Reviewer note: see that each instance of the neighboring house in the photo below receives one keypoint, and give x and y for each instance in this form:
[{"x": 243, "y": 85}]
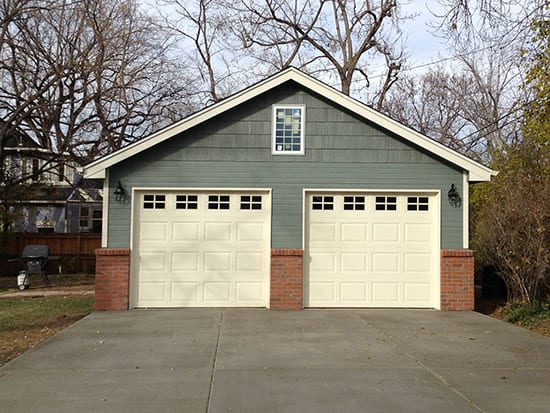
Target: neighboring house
[
  {"x": 288, "y": 194},
  {"x": 56, "y": 199}
]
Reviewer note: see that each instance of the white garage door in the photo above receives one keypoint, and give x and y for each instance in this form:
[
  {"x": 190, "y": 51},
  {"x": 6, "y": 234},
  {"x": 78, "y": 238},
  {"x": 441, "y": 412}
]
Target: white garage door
[
  {"x": 372, "y": 250},
  {"x": 201, "y": 249}
]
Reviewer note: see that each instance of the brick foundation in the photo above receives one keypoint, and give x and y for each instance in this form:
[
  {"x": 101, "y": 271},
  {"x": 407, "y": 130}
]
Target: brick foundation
[
  {"x": 457, "y": 280},
  {"x": 111, "y": 279},
  {"x": 287, "y": 279}
]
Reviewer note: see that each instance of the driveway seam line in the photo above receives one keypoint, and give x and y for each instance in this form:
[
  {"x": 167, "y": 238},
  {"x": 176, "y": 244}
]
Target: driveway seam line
[
  {"x": 429, "y": 370},
  {"x": 214, "y": 362},
  {"x": 442, "y": 379}
]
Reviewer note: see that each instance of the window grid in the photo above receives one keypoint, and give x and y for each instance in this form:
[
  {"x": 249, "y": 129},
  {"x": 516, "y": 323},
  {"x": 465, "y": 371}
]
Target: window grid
[
  {"x": 325, "y": 203},
  {"x": 288, "y": 129},
  {"x": 354, "y": 203},
  {"x": 187, "y": 201},
  {"x": 417, "y": 203},
  {"x": 218, "y": 202},
  {"x": 154, "y": 201},
  {"x": 386, "y": 203},
  {"x": 253, "y": 202}
]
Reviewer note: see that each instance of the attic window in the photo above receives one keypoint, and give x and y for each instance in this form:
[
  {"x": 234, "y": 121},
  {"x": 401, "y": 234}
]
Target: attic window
[{"x": 288, "y": 130}]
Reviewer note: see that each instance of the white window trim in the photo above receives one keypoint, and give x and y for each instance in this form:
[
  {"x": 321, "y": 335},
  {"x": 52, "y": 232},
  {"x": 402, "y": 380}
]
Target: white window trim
[{"x": 302, "y": 131}]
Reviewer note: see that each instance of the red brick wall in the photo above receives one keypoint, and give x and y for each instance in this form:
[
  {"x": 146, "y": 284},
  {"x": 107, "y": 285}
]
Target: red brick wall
[
  {"x": 111, "y": 279},
  {"x": 457, "y": 280},
  {"x": 287, "y": 279}
]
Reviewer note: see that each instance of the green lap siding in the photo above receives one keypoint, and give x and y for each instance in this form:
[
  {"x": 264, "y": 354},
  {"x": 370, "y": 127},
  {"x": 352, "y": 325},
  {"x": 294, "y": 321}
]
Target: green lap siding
[{"x": 233, "y": 150}]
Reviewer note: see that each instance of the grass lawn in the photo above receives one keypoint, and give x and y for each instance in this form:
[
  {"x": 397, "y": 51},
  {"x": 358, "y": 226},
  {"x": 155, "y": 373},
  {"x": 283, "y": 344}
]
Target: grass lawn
[{"x": 26, "y": 322}]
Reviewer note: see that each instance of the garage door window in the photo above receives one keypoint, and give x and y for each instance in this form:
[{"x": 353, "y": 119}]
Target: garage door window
[
  {"x": 218, "y": 201},
  {"x": 251, "y": 202},
  {"x": 386, "y": 203},
  {"x": 417, "y": 203},
  {"x": 322, "y": 203},
  {"x": 354, "y": 203},
  {"x": 154, "y": 201},
  {"x": 187, "y": 201}
]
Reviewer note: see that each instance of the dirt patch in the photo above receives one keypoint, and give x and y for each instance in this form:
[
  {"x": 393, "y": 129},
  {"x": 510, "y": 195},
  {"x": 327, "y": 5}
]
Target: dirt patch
[{"x": 15, "y": 343}]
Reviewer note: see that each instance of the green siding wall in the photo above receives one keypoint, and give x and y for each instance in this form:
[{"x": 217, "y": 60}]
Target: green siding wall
[{"x": 233, "y": 150}]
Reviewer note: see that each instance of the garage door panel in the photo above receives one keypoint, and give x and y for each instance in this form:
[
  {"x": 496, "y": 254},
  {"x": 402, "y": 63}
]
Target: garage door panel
[
  {"x": 353, "y": 292},
  {"x": 185, "y": 261},
  {"x": 217, "y": 231},
  {"x": 184, "y": 292},
  {"x": 249, "y": 261},
  {"x": 249, "y": 292},
  {"x": 152, "y": 292},
  {"x": 353, "y": 262},
  {"x": 417, "y": 292},
  {"x": 250, "y": 232},
  {"x": 323, "y": 262},
  {"x": 418, "y": 233},
  {"x": 417, "y": 263},
  {"x": 191, "y": 254},
  {"x": 371, "y": 250},
  {"x": 186, "y": 231},
  {"x": 217, "y": 261},
  {"x": 217, "y": 292},
  {"x": 383, "y": 232},
  {"x": 320, "y": 232},
  {"x": 354, "y": 232},
  {"x": 154, "y": 231},
  {"x": 385, "y": 262},
  {"x": 386, "y": 293},
  {"x": 153, "y": 261},
  {"x": 323, "y": 292}
]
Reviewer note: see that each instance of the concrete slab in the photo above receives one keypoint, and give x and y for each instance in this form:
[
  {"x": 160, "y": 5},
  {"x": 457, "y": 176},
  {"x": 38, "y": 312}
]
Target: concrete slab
[{"x": 250, "y": 360}]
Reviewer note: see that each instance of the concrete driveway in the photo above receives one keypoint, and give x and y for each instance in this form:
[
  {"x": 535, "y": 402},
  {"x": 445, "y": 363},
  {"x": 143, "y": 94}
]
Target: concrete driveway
[{"x": 247, "y": 360}]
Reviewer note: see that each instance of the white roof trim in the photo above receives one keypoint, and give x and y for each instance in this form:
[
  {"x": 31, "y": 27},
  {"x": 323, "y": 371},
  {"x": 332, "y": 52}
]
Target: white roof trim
[{"x": 476, "y": 171}]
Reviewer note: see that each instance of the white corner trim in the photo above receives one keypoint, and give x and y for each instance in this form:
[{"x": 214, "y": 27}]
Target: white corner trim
[
  {"x": 465, "y": 211},
  {"x": 105, "y": 213}
]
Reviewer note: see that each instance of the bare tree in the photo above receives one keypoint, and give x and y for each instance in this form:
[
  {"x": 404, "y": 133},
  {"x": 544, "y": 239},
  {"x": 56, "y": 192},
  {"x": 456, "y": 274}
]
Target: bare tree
[
  {"x": 83, "y": 76},
  {"x": 345, "y": 34},
  {"x": 202, "y": 25}
]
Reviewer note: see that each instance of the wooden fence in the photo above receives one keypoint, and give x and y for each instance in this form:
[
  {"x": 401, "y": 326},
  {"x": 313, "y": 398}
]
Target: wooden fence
[{"x": 77, "y": 251}]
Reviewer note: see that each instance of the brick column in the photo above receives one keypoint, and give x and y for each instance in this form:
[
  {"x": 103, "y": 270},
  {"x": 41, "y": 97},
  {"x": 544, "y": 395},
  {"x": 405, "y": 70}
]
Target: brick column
[
  {"x": 287, "y": 279},
  {"x": 112, "y": 279},
  {"x": 457, "y": 280}
]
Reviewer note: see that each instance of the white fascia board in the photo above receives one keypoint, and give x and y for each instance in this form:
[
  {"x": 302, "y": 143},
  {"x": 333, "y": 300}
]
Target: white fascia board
[{"x": 477, "y": 172}]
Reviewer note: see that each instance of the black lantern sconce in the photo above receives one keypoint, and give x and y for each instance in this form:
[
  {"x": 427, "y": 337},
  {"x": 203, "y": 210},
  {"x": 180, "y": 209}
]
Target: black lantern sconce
[
  {"x": 454, "y": 197},
  {"x": 121, "y": 196}
]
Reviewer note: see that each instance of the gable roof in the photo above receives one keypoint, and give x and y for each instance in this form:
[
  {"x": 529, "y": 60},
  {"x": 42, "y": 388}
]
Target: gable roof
[{"x": 476, "y": 171}]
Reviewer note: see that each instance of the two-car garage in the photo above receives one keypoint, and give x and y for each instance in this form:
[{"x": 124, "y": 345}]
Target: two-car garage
[{"x": 211, "y": 248}]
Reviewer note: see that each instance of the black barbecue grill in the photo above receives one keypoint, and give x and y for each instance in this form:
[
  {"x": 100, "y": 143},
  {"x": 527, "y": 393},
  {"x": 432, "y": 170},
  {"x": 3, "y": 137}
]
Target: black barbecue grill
[{"x": 34, "y": 260}]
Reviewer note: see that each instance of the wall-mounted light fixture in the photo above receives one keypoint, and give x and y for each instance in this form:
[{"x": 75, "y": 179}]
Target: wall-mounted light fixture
[
  {"x": 120, "y": 193},
  {"x": 454, "y": 197}
]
